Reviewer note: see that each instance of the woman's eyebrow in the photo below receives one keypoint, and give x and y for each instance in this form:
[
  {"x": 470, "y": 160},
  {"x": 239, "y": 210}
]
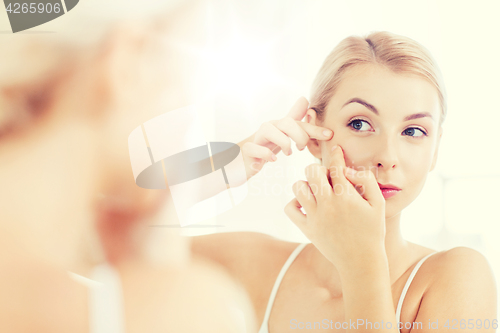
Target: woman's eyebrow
[
  {"x": 362, "y": 102},
  {"x": 374, "y": 109},
  {"x": 418, "y": 115}
]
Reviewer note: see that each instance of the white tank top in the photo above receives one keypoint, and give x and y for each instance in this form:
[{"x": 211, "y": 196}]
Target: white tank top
[
  {"x": 106, "y": 314},
  {"x": 264, "y": 327}
]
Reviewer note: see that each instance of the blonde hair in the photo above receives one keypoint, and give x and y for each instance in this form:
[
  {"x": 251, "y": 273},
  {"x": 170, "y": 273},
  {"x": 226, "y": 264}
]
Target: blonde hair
[{"x": 397, "y": 53}]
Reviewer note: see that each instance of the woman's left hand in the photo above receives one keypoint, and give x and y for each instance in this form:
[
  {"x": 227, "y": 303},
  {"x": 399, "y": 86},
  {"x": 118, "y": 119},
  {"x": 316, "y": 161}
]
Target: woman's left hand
[{"x": 344, "y": 219}]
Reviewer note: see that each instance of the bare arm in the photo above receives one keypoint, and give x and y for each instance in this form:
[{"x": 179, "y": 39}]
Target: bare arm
[
  {"x": 251, "y": 258},
  {"x": 237, "y": 252}
]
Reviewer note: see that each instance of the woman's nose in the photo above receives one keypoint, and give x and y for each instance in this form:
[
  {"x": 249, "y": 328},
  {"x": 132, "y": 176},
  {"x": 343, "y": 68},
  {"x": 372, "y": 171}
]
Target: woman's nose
[{"x": 385, "y": 156}]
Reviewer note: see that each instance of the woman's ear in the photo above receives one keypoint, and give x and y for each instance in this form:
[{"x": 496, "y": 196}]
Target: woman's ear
[{"x": 313, "y": 144}]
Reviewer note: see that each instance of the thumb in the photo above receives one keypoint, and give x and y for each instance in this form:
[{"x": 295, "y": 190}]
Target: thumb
[
  {"x": 299, "y": 109},
  {"x": 365, "y": 179}
]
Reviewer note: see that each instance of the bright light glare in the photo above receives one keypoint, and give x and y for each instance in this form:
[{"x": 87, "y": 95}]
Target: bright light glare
[{"x": 240, "y": 67}]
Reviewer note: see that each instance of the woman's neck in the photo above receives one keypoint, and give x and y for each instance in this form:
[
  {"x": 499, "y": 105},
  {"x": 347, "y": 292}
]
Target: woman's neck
[{"x": 397, "y": 249}]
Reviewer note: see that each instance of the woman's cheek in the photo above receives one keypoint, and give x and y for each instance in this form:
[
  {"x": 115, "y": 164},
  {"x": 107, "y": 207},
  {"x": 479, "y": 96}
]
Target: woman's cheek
[
  {"x": 356, "y": 151},
  {"x": 417, "y": 162}
]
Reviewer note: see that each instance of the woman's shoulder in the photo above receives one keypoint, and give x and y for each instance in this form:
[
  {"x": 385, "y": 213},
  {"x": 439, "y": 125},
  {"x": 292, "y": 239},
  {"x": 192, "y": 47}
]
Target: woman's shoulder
[
  {"x": 463, "y": 279},
  {"x": 455, "y": 260},
  {"x": 451, "y": 267},
  {"x": 460, "y": 263},
  {"x": 450, "y": 285},
  {"x": 455, "y": 263},
  {"x": 47, "y": 295}
]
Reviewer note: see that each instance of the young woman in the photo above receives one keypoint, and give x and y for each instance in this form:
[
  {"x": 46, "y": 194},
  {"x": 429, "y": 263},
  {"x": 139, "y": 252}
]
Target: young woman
[
  {"x": 383, "y": 97},
  {"x": 68, "y": 102}
]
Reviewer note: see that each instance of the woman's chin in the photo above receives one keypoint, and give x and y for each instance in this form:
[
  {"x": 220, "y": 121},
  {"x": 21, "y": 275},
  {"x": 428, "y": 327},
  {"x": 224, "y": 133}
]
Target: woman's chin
[{"x": 391, "y": 210}]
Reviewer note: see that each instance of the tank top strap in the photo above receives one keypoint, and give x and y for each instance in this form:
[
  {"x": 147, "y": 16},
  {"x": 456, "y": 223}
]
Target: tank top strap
[
  {"x": 407, "y": 286},
  {"x": 106, "y": 314},
  {"x": 106, "y": 301},
  {"x": 291, "y": 258}
]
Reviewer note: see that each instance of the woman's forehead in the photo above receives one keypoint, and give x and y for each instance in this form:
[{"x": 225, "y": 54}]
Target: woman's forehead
[{"x": 388, "y": 92}]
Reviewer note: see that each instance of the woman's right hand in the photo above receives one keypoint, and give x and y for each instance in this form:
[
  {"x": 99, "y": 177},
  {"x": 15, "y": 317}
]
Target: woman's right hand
[{"x": 277, "y": 135}]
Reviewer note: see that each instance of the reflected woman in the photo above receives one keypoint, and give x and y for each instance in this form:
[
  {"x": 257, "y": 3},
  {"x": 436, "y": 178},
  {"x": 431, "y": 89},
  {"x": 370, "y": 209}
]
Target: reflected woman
[{"x": 68, "y": 101}]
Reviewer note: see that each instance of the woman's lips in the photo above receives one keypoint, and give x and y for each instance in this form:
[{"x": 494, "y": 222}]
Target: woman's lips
[{"x": 389, "y": 192}]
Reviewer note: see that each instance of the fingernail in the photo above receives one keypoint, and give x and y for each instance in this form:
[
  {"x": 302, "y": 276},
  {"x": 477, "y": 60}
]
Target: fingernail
[
  {"x": 327, "y": 133},
  {"x": 274, "y": 158},
  {"x": 350, "y": 171},
  {"x": 334, "y": 147}
]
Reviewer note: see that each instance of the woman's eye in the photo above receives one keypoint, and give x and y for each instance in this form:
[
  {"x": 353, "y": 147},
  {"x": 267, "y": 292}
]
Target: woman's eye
[
  {"x": 357, "y": 124},
  {"x": 360, "y": 125},
  {"x": 413, "y": 130}
]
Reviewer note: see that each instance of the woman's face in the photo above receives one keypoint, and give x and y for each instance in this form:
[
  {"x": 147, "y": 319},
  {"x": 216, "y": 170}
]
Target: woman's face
[
  {"x": 46, "y": 173},
  {"x": 54, "y": 169},
  {"x": 387, "y": 123}
]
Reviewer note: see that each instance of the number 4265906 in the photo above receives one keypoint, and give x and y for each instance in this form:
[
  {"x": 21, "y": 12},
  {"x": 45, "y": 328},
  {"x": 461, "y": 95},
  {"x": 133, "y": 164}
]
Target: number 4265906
[{"x": 33, "y": 7}]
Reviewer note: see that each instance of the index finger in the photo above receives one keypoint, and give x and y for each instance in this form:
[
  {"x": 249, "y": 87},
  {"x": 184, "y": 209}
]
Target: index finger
[
  {"x": 316, "y": 132},
  {"x": 299, "y": 109},
  {"x": 336, "y": 169}
]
